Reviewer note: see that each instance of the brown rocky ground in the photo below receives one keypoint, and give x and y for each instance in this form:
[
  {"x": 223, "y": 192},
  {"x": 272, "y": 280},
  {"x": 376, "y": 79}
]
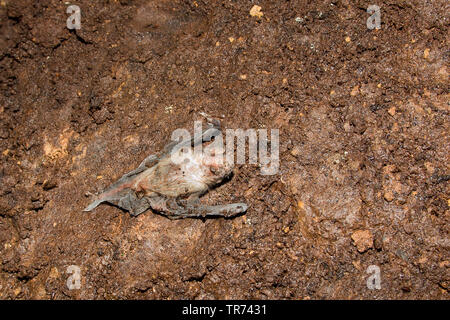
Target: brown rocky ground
[{"x": 364, "y": 147}]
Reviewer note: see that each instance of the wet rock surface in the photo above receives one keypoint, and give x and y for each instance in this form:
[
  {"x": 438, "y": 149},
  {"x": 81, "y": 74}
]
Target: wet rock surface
[{"x": 364, "y": 148}]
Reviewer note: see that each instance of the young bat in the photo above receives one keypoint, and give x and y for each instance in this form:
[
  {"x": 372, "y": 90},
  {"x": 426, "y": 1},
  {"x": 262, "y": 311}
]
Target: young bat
[{"x": 173, "y": 188}]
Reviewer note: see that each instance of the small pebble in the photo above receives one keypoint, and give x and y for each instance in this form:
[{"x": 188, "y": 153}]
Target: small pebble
[
  {"x": 255, "y": 11},
  {"x": 363, "y": 240},
  {"x": 295, "y": 151},
  {"x": 388, "y": 196},
  {"x": 355, "y": 91},
  {"x": 391, "y": 111}
]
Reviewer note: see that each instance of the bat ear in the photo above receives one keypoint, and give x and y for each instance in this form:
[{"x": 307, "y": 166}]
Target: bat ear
[{"x": 212, "y": 122}]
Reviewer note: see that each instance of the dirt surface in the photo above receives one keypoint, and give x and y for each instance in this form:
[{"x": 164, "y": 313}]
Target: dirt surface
[{"x": 364, "y": 148}]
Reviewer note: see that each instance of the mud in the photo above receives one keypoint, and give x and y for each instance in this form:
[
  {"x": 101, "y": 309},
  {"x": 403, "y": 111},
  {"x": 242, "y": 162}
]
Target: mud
[{"x": 364, "y": 148}]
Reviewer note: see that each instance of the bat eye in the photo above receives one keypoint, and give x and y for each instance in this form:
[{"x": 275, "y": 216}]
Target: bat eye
[{"x": 213, "y": 170}]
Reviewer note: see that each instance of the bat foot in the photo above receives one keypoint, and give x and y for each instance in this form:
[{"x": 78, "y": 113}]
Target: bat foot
[{"x": 175, "y": 211}]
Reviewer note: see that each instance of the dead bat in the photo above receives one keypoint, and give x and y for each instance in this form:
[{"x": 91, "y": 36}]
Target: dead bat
[{"x": 173, "y": 188}]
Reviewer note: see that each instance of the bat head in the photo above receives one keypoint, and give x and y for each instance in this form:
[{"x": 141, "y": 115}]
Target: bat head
[{"x": 213, "y": 163}]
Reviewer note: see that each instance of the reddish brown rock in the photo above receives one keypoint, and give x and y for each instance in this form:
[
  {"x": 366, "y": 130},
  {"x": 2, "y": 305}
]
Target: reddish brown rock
[{"x": 363, "y": 240}]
